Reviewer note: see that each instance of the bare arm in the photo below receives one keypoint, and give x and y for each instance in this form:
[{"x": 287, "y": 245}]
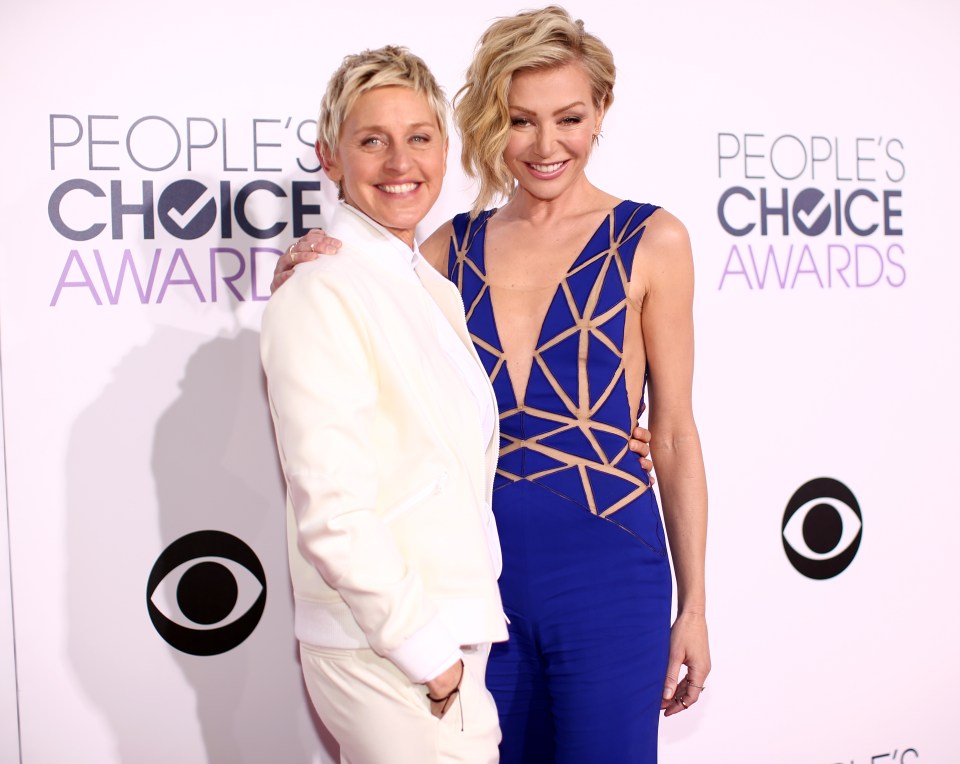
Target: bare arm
[
  {"x": 436, "y": 247},
  {"x": 666, "y": 278}
]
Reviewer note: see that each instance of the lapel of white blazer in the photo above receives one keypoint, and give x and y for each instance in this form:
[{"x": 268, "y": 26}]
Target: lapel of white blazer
[
  {"x": 448, "y": 298},
  {"x": 367, "y": 238}
]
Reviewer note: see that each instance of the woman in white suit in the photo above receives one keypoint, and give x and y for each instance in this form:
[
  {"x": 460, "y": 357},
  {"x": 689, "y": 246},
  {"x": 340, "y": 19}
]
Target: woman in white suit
[{"x": 386, "y": 426}]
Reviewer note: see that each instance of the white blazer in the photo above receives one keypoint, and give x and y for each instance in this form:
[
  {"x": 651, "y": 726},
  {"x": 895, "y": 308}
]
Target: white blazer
[{"x": 391, "y": 539}]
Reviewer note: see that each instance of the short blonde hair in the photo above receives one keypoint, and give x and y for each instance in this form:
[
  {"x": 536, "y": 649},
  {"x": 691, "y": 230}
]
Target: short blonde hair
[
  {"x": 388, "y": 66},
  {"x": 531, "y": 40}
]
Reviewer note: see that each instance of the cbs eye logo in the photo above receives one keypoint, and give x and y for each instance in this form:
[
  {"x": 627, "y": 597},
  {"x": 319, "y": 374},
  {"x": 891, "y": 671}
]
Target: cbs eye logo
[
  {"x": 822, "y": 528},
  {"x": 206, "y": 593}
]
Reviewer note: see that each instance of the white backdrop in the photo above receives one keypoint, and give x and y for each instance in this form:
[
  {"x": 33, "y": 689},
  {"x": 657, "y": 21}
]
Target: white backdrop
[
  {"x": 9, "y": 734},
  {"x": 133, "y": 406}
]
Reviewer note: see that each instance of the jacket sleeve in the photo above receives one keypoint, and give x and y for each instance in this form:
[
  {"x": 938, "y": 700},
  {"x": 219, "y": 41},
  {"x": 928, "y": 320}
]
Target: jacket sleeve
[{"x": 323, "y": 387}]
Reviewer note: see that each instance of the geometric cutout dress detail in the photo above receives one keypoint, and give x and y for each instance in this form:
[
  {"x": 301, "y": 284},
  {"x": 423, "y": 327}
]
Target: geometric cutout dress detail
[{"x": 570, "y": 435}]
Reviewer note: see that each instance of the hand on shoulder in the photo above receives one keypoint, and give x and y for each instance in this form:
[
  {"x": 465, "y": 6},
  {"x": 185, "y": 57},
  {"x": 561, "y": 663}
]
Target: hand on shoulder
[{"x": 309, "y": 247}]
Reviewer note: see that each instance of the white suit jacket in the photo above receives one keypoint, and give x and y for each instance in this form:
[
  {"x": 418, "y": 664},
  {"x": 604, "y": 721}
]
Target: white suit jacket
[{"x": 391, "y": 540}]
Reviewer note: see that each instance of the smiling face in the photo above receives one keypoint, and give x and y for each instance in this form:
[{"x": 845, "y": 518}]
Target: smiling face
[
  {"x": 390, "y": 158},
  {"x": 553, "y": 123}
]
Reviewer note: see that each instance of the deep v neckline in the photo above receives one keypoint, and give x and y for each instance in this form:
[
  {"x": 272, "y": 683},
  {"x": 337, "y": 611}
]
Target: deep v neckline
[{"x": 606, "y": 222}]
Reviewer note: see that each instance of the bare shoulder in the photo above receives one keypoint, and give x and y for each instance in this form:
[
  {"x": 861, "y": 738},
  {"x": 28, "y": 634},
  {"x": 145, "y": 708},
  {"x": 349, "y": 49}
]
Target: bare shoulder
[
  {"x": 666, "y": 234},
  {"x": 664, "y": 257},
  {"x": 436, "y": 247}
]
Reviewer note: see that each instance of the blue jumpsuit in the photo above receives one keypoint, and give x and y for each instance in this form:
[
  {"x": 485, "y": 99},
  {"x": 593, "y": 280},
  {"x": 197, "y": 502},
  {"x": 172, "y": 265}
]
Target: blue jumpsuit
[{"x": 586, "y": 580}]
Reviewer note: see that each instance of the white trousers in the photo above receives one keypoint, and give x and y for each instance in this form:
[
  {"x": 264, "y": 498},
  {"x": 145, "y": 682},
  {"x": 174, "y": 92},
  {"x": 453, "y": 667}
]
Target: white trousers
[{"x": 378, "y": 717}]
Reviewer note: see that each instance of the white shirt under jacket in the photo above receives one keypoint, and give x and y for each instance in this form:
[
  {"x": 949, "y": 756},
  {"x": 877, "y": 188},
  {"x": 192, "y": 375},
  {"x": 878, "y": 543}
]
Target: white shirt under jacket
[{"x": 392, "y": 543}]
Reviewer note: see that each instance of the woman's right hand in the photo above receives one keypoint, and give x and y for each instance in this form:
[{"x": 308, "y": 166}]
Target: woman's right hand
[
  {"x": 309, "y": 247},
  {"x": 445, "y": 688}
]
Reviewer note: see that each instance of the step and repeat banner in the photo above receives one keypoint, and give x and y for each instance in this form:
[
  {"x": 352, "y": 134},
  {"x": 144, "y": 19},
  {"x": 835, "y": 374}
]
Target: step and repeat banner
[
  {"x": 9, "y": 745},
  {"x": 157, "y": 160}
]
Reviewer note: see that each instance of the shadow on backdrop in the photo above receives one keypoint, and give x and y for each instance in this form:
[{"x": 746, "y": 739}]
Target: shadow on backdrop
[{"x": 214, "y": 467}]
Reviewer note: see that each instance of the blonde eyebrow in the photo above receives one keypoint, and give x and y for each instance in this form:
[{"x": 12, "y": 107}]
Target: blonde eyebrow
[
  {"x": 411, "y": 126},
  {"x": 568, "y": 107},
  {"x": 558, "y": 111}
]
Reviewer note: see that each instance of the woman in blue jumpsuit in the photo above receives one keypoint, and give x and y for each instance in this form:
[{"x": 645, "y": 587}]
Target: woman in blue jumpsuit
[{"x": 577, "y": 301}]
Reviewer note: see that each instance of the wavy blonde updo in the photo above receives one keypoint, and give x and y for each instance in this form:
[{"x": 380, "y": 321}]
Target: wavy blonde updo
[
  {"x": 360, "y": 73},
  {"x": 532, "y": 40}
]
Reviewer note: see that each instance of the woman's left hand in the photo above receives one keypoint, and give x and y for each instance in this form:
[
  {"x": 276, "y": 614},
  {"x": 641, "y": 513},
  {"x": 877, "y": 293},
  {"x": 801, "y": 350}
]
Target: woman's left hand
[
  {"x": 640, "y": 445},
  {"x": 688, "y": 647}
]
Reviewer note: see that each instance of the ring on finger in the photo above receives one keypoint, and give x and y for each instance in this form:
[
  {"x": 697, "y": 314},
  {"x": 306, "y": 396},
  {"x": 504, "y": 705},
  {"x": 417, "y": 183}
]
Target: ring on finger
[
  {"x": 311, "y": 247},
  {"x": 681, "y": 702},
  {"x": 698, "y": 686},
  {"x": 292, "y": 247}
]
